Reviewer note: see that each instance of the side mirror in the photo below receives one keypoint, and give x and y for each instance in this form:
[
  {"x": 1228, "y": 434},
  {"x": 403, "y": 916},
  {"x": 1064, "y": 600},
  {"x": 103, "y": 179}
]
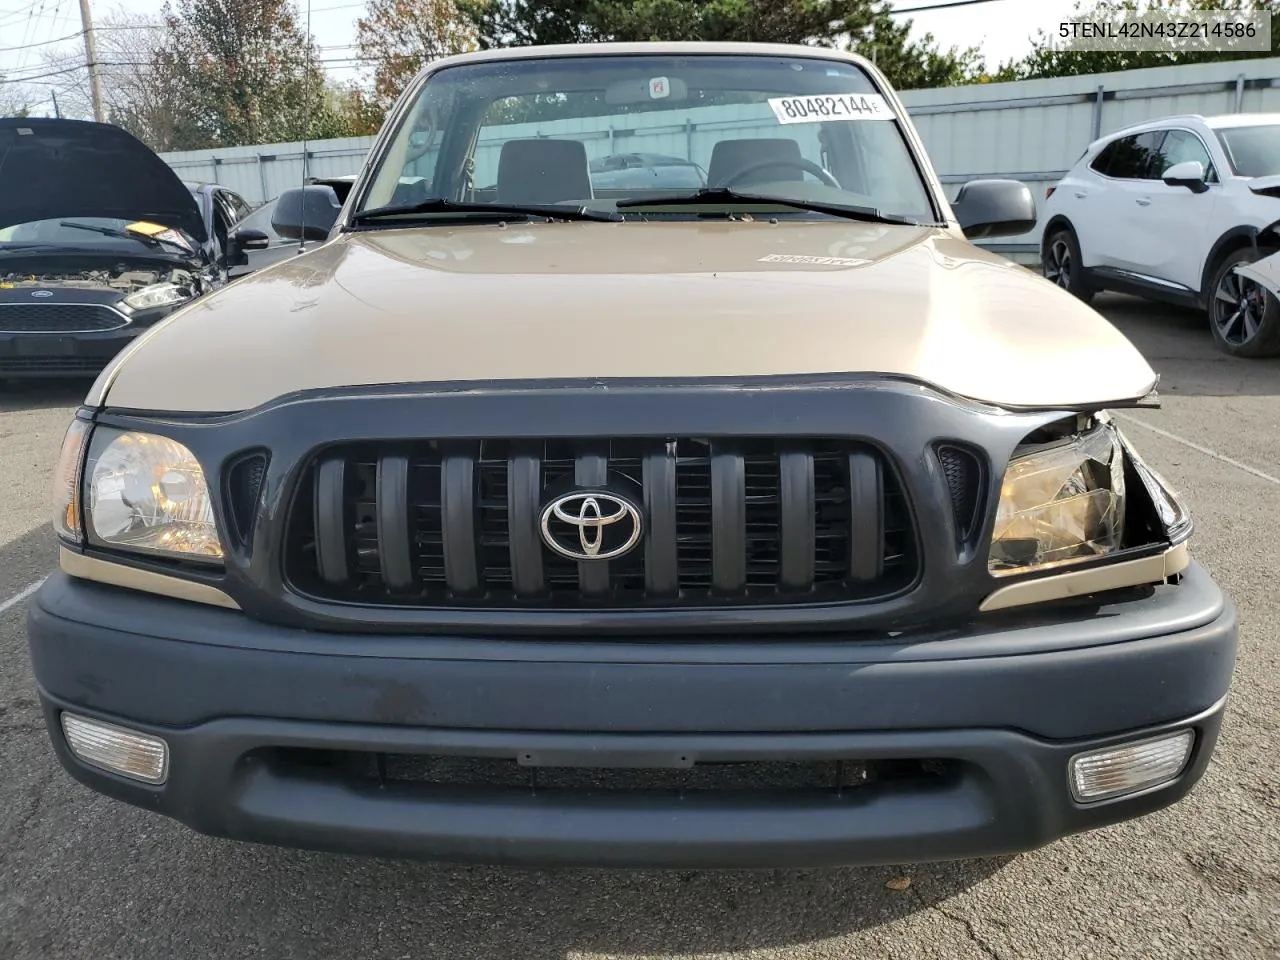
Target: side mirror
[
  {"x": 995, "y": 208},
  {"x": 306, "y": 213},
  {"x": 252, "y": 239},
  {"x": 1189, "y": 174},
  {"x": 249, "y": 240},
  {"x": 238, "y": 241}
]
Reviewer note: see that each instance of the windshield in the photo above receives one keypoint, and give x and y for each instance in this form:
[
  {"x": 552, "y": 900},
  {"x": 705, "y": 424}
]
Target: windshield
[
  {"x": 1253, "y": 151},
  {"x": 591, "y": 131}
]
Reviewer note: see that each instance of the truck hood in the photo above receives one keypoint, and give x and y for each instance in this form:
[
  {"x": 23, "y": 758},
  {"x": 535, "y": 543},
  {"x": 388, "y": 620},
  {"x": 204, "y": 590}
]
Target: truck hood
[
  {"x": 51, "y": 168},
  {"x": 649, "y": 300}
]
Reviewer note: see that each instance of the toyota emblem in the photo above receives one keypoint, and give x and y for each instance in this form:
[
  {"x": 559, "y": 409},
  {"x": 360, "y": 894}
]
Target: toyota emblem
[{"x": 591, "y": 525}]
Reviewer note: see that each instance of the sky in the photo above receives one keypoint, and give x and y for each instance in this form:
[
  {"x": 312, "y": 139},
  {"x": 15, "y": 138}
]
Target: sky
[{"x": 1000, "y": 28}]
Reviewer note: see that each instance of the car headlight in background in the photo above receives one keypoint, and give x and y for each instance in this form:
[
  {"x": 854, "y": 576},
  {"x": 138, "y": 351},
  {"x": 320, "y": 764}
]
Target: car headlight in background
[
  {"x": 148, "y": 493},
  {"x": 1060, "y": 504},
  {"x": 157, "y": 295}
]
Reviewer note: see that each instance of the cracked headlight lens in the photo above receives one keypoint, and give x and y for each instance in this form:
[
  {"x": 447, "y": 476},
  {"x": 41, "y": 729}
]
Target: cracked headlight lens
[
  {"x": 1060, "y": 504},
  {"x": 148, "y": 493},
  {"x": 1170, "y": 510}
]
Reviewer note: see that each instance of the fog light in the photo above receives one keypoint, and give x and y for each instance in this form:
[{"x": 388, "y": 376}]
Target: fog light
[
  {"x": 122, "y": 751},
  {"x": 1102, "y": 774}
]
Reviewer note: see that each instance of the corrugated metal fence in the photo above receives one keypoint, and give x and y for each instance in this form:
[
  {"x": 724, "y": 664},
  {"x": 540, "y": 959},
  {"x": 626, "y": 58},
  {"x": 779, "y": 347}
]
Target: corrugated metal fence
[{"x": 1032, "y": 130}]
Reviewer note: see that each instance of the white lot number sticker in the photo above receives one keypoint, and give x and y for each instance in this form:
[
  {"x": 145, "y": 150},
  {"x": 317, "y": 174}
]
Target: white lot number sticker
[{"x": 831, "y": 106}]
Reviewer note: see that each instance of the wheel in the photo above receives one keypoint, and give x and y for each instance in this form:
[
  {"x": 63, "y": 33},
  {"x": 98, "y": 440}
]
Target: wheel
[
  {"x": 1062, "y": 263},
  {"x": 1244, "y": 318}
]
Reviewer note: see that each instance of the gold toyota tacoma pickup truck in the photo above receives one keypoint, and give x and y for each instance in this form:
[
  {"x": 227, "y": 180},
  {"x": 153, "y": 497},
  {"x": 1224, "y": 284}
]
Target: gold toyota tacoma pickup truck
[{"x": 538, "y": 516}]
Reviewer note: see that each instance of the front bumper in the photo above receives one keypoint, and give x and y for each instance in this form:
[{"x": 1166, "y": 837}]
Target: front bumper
[
  {"x": 62, "y": 354},
  {"x": 1001, "y": 709}
]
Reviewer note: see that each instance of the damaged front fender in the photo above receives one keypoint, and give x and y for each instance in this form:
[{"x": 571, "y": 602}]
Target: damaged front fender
[{"x": 1265, "y": 271}]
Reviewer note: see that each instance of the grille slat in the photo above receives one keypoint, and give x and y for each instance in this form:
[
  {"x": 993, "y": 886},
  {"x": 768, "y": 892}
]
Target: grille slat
[
  {"x": 392, "y": 508},
  {"x": 458, "y": 523},
  {"x": 423, "y": 523},
  {"x": 331, "y": 520},
  {"x": 524, "y": 481},
  {"x": 661, "y": 570},
  {"x": 867, "y": 503},
  {"x": 798, "y": 540},
  {"x": 728, "y": 519}
]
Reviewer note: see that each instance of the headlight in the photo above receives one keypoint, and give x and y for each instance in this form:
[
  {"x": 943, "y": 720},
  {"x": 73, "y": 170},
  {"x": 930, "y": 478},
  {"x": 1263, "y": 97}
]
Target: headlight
[
  {"x": 1060, "y": 504},
  {"x": 156, "y": 295},
  {"x": 148, "y": 493}
]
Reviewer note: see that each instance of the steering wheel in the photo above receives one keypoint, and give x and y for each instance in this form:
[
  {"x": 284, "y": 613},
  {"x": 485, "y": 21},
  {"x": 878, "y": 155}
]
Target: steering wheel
[{"x": 807, "y": 166}]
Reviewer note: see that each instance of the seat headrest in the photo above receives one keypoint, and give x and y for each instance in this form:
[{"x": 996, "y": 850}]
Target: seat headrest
[
  {"x": 543, "y": 171},
  {"x": 729, "y": 157}
]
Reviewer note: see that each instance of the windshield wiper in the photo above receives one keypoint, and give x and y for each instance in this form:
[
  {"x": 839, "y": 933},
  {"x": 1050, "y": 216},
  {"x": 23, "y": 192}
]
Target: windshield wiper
[
  {"x": 124, "y": 235},
  {"x": 502, "y": 211},
  {"x": 726, "y": 195}
]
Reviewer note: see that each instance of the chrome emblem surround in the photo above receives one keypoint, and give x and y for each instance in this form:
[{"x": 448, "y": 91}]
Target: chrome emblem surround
[
  {"x": 592, "y": 513},
  {"x": 42, "y": 293}
]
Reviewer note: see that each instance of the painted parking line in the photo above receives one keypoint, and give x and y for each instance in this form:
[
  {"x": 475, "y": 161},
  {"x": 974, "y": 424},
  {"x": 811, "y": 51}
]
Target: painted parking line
[
  {"x": 21, "y": 595},
  {"x": 1198, "y": 448}
]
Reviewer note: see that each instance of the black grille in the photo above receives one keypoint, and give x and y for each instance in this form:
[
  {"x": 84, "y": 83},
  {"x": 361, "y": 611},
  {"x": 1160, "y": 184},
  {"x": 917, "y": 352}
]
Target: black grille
[
  {"x": 512, "y": 776},
  {"x": 725, "y": 521},
  {"x": 244, "y": 484},
  {"x": 57, "y": 317},
  {"x": 963, "y": 471}
]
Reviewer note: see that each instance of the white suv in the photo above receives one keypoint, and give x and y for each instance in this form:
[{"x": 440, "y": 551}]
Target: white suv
[{"x": 1165, "y": 210}]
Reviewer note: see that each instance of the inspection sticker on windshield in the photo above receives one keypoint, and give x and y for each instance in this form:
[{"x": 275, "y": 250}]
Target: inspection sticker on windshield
[
  {"x": 146, "y": 228},
  {"x": 831, "y": 106}
]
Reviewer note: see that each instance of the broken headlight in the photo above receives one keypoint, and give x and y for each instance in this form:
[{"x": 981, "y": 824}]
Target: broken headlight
[
  {"x": 1166, "y": 503},
  {"x": 1061, "y": 503},
  {"x": 157, "y": 295}
]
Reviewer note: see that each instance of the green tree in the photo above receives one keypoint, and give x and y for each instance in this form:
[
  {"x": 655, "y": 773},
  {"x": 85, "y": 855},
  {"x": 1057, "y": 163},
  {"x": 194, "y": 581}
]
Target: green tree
[
  {"x": 399, "y": 37},
  {"x": 866, "y": 26},
  {"x": 1050, "y": 57},
  {"x": 520, "y": 23},
  {"x": 245, "y": 71},
  {"x": 346, "y": 111},
  {"x": 910, "y": 64}
]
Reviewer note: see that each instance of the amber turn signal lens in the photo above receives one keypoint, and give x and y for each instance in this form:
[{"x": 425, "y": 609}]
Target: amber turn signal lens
[{"x": 66, "y": 482}]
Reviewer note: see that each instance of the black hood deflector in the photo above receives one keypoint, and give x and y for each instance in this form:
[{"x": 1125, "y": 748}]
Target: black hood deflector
[{"x": 53, "y": 169}]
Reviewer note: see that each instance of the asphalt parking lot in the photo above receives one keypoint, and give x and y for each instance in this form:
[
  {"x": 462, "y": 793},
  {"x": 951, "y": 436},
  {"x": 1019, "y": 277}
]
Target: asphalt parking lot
[{"x": 83, "y": 876}]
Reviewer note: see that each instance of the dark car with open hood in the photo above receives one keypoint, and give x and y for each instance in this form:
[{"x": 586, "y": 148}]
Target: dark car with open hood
[{"x": 99, "y": 239}]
